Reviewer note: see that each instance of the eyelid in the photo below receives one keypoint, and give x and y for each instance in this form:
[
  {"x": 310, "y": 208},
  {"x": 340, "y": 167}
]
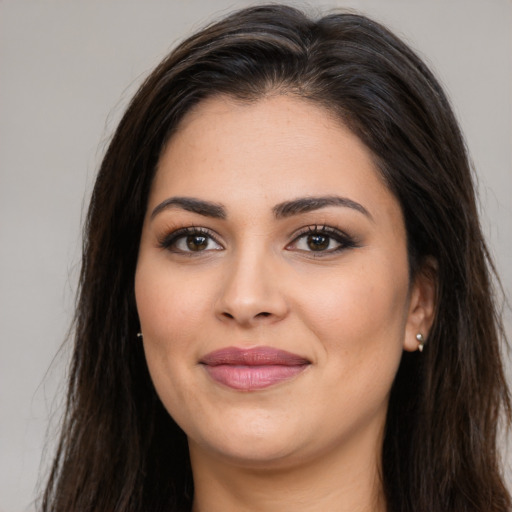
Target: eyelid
[
  {"x": 345, "y": 240},
  {"x": 170, "y": 237}
]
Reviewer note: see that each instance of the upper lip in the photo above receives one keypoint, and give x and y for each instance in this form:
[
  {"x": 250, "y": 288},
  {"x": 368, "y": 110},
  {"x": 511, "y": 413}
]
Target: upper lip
[{"x": 257, "y": 356}]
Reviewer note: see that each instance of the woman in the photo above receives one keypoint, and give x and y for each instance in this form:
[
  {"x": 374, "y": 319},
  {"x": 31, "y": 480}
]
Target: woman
[{"x": 286, "y": 299}]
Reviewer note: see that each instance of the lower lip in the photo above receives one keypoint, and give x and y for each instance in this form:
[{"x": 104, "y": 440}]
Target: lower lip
[{"x": 249, "y": 378}]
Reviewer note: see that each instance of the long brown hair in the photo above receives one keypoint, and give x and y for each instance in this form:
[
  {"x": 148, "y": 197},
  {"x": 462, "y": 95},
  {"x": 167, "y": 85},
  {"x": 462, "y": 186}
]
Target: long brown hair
[{"x": 119, "y": 449}]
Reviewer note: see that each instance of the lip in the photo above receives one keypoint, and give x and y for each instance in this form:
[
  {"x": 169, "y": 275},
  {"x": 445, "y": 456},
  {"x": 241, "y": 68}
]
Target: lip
[{"x": 248, "y": 369}]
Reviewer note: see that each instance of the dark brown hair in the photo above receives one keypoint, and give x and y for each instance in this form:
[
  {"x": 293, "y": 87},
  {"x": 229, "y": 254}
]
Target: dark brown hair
[{"x": 119, "y": 449}]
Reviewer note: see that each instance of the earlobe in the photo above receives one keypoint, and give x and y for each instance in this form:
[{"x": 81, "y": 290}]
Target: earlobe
[{"x": 422, "y": 307}]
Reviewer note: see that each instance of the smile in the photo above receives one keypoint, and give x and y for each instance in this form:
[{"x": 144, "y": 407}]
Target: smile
[{"x": 252, "y": 369}]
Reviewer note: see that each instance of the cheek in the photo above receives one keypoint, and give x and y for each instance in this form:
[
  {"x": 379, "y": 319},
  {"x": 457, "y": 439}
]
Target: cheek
[
  {"x": 359, "y": 314},
  {"x": 167, "y": 302},
  {"x": 361, "y": 324},
  {"x": 170, "y": 312}
]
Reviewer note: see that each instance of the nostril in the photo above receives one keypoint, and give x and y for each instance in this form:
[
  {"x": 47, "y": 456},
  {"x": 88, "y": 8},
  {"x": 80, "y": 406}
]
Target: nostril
[
  {"x": 228, "y": 315},
  {"x": 264, "y": 313}
]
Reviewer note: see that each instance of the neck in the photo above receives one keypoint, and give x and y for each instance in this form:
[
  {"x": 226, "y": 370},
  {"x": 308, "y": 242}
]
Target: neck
[{"x": 330, "y": 483}]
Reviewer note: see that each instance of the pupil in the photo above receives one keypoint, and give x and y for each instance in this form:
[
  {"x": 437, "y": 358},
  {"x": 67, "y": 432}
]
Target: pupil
[
  {"x": 197, "y": 242},
  {"x": 318, "y": 242}
]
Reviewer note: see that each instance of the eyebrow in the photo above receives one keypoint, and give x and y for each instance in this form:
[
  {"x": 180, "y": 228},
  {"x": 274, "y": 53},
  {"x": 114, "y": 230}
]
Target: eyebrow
[
  {"x": 282, "y": 210},
  {"x": 191, "y": 204},
  {"x": 308, "y": 204}
]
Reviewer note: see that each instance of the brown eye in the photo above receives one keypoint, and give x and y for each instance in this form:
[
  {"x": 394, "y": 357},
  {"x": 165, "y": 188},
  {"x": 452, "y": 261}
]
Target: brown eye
[
  {"x": 318, "y": 242},
  {"x": 323, "y": 240},
  {"x": 190, "y": 240},
  {"x": 197, "y": 242}
]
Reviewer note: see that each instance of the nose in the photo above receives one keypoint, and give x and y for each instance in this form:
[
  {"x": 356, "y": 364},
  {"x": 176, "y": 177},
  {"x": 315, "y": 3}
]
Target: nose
[{"x": 252, "y": 291}]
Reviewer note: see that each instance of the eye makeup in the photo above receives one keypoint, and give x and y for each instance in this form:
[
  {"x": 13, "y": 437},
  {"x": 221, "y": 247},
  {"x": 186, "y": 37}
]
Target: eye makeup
[
  {"x": 190, "y": 240},
  {"x": 321, "y": 240}
]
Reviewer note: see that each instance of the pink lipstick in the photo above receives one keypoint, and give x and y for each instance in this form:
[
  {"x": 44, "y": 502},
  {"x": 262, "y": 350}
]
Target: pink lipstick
[{"x": 253, "y": 368}]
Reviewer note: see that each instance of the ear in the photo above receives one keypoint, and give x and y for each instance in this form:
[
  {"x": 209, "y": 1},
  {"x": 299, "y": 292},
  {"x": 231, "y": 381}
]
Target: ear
[{"x": 422, "y": 305}]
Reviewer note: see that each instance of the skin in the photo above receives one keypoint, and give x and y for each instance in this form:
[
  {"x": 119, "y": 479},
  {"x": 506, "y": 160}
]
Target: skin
[{"x": 312, "y": 442}]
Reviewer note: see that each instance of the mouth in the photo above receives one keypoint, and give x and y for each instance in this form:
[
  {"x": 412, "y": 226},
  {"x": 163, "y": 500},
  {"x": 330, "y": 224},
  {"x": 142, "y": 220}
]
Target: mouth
[{"x": 254, "y": 368}]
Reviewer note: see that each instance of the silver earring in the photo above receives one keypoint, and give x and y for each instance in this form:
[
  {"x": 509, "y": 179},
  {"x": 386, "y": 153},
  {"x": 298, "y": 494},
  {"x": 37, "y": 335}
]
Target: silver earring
[
  {"x": 139, "y": 335},
  {"x": 421, "y": 341}
]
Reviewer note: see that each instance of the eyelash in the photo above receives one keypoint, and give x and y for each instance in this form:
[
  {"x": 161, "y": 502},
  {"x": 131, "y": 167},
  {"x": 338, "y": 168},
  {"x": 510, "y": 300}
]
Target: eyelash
[
  {"x": 170, "y": 240},
  {"x": 344, "y": 240}
]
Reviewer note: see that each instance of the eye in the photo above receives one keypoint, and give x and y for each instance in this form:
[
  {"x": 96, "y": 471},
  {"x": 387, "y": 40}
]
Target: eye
[
  {"x": 323, "y": 239},
  {"x": 190, "y": 240}
]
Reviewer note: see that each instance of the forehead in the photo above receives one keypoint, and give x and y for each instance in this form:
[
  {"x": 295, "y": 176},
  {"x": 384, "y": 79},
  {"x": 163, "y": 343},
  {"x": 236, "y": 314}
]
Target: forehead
[{"x": 273, "y": 149}]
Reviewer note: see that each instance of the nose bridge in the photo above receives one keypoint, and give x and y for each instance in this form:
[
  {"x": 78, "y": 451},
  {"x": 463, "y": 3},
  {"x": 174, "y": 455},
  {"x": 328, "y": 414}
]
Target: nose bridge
[{"x": 251, "y": 289}]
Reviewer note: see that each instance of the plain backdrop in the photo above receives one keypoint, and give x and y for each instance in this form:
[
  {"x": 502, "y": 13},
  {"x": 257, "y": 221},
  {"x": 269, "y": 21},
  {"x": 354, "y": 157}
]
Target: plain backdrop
[{"x": 67, "y": 70}]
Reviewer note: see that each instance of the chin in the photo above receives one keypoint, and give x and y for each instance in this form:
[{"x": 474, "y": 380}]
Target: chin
[
  {"x": 253, "y": 443},
  {"x": 264, "y": 455}
]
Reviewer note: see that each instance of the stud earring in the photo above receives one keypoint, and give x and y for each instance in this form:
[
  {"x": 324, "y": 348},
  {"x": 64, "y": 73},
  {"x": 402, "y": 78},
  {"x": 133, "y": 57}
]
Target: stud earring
[
  {"x": 139, "y": 335},
  {"x": 421, "y": 341}
]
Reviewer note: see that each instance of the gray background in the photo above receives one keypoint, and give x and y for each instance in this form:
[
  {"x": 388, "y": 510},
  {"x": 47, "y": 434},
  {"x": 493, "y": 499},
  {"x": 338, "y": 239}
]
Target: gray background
[{"x": 67, "y": 70}]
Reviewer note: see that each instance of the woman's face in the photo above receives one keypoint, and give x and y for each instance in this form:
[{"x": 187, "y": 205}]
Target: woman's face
[{"x": 272, "y": 284}]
